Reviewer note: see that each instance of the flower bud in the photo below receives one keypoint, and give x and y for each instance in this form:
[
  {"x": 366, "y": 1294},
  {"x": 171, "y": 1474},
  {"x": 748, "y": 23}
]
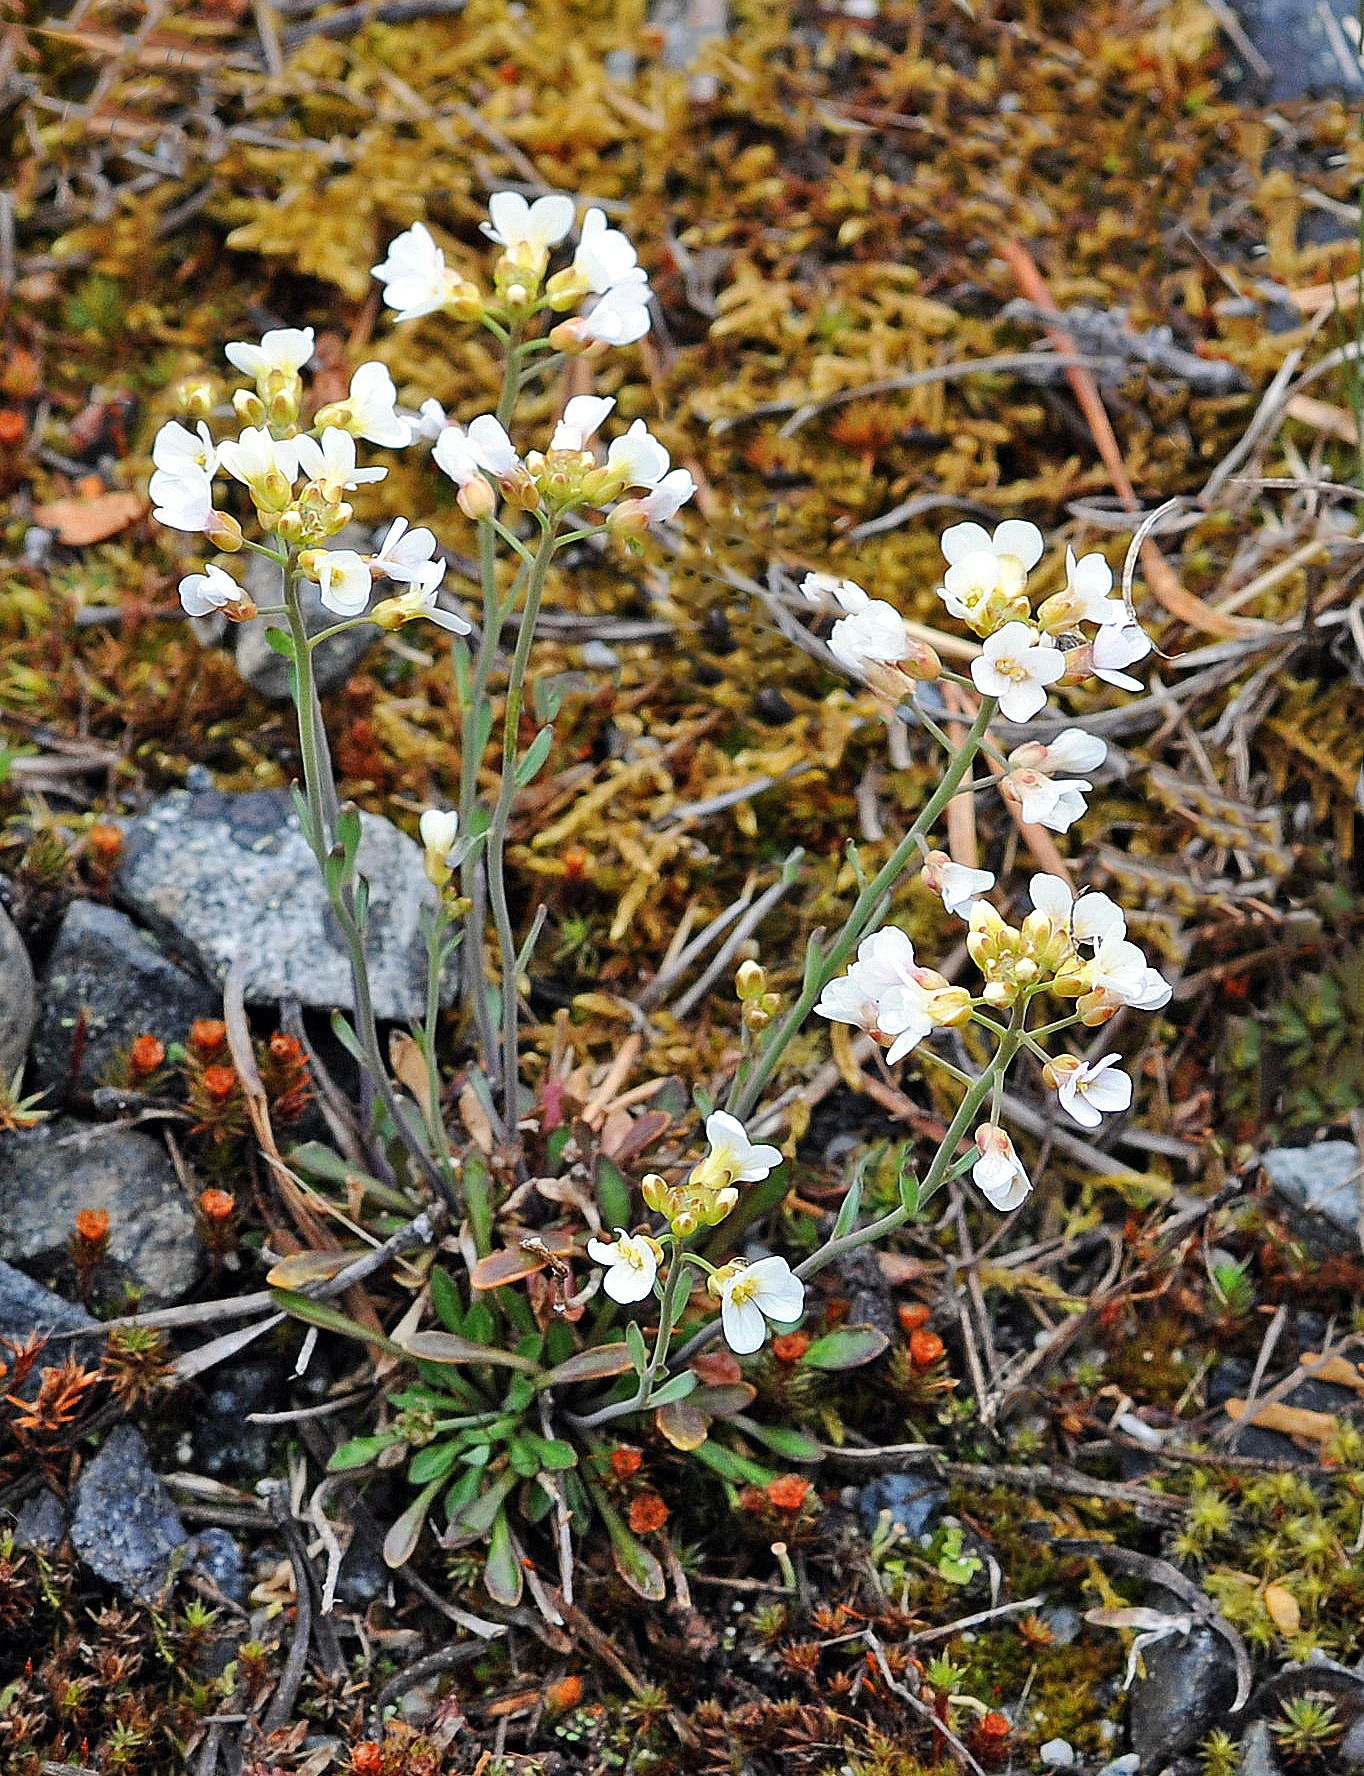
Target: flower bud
[
  {"x": 291, "y": 526},
  {"x": 566, "y": 290},
  {"x": 750, "y": 981},
  {"x": 249, "y": 407},
  {"x": 282, "y": 403},
  {"x": 476, "y": 499},
  {"x": 224, "y": 532},
  {"x": 195, "y": 398}
]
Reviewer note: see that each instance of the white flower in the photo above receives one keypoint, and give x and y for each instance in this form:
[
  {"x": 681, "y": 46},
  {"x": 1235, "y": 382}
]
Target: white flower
[
  {"x": 282, "y": 352},
  {"x": 999, "y": 1173},
  {"x": 416, "y": 278},
  {"x": 439, "y": 828},
  {"x": 182, "y": 498},
  {"x": 1119, "y": 974},
  {"x": 847, "y": 594},
  {"x": 604, "y": 256},
  {"x": 344, "y": 580},
  {"x": 888, "y": 995},
  {"x": 619, "y": 317},
  {"x": 733, "y": 1153},
  {"x": 1016, "y": 665},
  {"x": 493, "y": 449},
  {"x": 1116, "y": 646},
  {"x": 372, "y": 402},
  {"x": 970, "y": 584},
  {"x": 429, "y": 423},
  {"x": 1090, "y": 918},
  {"x": 583, "y": 416},
  {"x": 407, "y": 554},
  {"x": 257, "y": 455},
  {"x": 1086, "y": 1090},
  {"x": 631, "y": 1262},
  {"x": 175, "y": 447},
  {"x": 208, "y": 591},
  {"x": 662, "y": 502},
  {"x": 454, "y": 454},
  {"x": 752, "y": 1295},
  {"x": 1089, "y": 582},
  {"x": 1041, "y": 801},
  {"x": 873, "y": 635},
  {"x": 638, "y": 459},
  {"x": 332, "y": 462},
  {"x": 419, "y": 601},
  {"x": 958, "y": 885},
  {"x": 1017, "y": 545},
  {"x": 539, "y": 226}
]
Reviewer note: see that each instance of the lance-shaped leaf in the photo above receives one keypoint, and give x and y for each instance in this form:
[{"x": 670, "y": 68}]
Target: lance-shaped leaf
[
  {"x": 846, "y": 1347},
  {"x": 331, "y": 1319},
  {"x": 682, "y": 1425},
  {"x": 502, "y": 1573},
  {"x": 402, "y": 1539},
  {"x": 635, "y": 1564},
  {"x": 447, "y": 1347},
  {"x": 598, "y": 1363},
  {"x": 782, "y": 1440}
]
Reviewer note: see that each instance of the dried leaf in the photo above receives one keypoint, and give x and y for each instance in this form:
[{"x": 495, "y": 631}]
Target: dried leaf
[
  {"x": 1283, "y": 1609},
  {"x": 78, "y": 521}
]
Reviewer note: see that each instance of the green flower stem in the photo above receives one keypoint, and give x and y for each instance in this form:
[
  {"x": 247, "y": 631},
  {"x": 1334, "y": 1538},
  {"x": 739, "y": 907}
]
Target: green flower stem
[
  {"x": 472, "y": 871},
  {"x": 658, "y": 1362},
  {"x": 497, "y": 831},
  {"x": 869, "y": 906},
  {"x": 319, "y": 788}
]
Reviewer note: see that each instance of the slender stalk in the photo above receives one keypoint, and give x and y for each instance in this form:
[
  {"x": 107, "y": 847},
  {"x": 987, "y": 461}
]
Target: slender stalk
[
  {"x": 869, "y": 906},
  {"x": 319, "y": 789},
  {"x": 497, "y": 832},
  {"x": 473, "y": 871},
  {"x": 658, "y": 1362}
]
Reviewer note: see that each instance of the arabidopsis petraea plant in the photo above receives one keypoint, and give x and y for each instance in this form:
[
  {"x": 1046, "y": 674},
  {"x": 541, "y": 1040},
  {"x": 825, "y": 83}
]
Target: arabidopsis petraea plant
[{"x": 753, "y": 1294}]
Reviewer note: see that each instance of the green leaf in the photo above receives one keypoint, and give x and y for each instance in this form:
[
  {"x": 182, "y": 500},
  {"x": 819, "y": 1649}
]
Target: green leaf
[
  {"x": 612, "y": 1190},
  {"x": 597, "y": 1363},
  {"x": 559, "y": 1138},
  {"x": 464, "y": 1490},
  {"x": 782, "y": 1440},
  {"x": 846, "y": 1347},
  {"x": 502, "y": 1575},
  {"x": 676, "y": 1389},
  {"x": 360, "y": 1451},
  {"x": 477, "y": 1519},
  {"x": 401, "y": 1541},
  {"x": 639, "y": 1351},
  {"x": 434, "y": 1462},
  {"x": 635, "y": 1564},
  {"x": 851, "y": 1205},
  {"x": 723, "y": 1401},
  {"x": 555, "y": 1454},
  {"x": 445, "y": 1347},
  {"x": 331, "y": 1319},
  {"x": 730, "y": 1465},
  {"x": 281, "y": 642},
  {"x": 909, "y": 1192},
  {"x": 532, "y": 762},
  {"x": 524, "y": 1457},
  {"x": 445, "y": 1300}
]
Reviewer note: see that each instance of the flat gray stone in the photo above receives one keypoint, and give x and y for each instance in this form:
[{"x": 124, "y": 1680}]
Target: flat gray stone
[
  {"x": 123, "y": 1525},
  {"x": 222, "y": 876},
  {"x": 102, "y": 965},
  {"x": 333, "y": 661},
  {"x": 41, "y": 1522},
  {"x": 1322, "y": 1185},
  {"x": 18, "y": 1001},
  {"x": 27, "y": 1308},
  {"x": 50, "y": 1173}
]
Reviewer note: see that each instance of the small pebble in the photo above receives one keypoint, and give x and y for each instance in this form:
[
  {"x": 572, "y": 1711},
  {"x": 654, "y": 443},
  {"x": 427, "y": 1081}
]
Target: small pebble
[{"x": 1057, "y": 1754}]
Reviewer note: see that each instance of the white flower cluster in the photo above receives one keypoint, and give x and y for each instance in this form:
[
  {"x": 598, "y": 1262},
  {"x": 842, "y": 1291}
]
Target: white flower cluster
[
  {"x": 605, "y": 273},
  {"x": 297, "y": 480},
  {"x": 1075, "y": 946},
  {"x": 986, "y": 587}
]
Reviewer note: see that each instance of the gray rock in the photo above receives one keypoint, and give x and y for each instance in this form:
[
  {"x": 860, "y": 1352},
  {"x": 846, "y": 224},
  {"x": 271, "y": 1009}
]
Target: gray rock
[
  {"x": 915, "y": 1502},
  {"x": 1306, "y": 44},
  {"x": 1257, "y": 1752},
  {"x": 41, "y": 1523},
  {"x": 1189, "y": 1685},
  {"x": 219, "y": 1557},
  {"x": 49, "y": 1173},
  {"x": 18, "y": 1001},
  {"x": 224, "y": 1441},
  {"x": 222, "y": 876},
  {"x": 1057, "y": 1754},
  {"x": 26, "y": 1307},
  {"x": 1065, "y": 1623},
  {"x": 1320, "y": 1186},
  {"x": 1351, "y": 1749},
  {"x": 103, "y": 965},
  {"x": 123, "y": 1524},
  {"x": 333, "y": 661}
]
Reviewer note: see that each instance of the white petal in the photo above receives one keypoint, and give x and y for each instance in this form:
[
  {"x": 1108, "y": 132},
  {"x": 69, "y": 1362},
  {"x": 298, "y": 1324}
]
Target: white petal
[{"x": 743, "y": 1325}]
